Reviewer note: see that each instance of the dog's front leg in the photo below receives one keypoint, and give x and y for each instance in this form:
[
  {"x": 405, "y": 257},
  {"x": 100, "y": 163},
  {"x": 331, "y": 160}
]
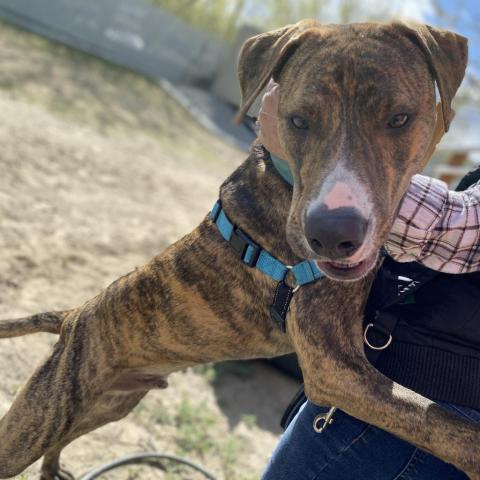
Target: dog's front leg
[
  {"x": 336, "y": 372},
  {"x": 369, "y": 396}
]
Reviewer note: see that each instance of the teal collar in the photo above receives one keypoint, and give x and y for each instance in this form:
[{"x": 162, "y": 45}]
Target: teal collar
[
  {"x": 282, "y": 168},
  {"x": 255, "y": 256}
]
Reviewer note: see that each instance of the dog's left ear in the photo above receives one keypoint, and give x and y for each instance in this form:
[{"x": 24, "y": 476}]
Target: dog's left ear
[
  {"x": 447, "y": 56},
  {"x": 262, "y": 57}
]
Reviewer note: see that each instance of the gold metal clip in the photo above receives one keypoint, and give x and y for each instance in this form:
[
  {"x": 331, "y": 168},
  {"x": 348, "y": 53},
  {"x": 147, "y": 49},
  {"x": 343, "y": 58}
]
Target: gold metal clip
[{"x": 322, "y": 421}]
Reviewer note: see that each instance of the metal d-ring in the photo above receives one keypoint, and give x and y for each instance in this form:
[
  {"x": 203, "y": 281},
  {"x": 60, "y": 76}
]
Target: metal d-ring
[
  {"x": 323, "y": 420},
  {"x": 373, "y": 347},
  {"x": 297, "y": 286}
]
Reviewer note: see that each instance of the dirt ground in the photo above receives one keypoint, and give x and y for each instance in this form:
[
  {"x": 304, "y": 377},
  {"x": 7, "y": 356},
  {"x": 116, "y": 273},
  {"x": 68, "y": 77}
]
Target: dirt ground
[{"x": 99, "y": 171}]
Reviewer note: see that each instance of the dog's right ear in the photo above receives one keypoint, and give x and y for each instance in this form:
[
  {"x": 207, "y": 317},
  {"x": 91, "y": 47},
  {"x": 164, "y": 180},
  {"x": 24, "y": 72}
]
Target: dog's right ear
[{"x": 262, "y": 57}]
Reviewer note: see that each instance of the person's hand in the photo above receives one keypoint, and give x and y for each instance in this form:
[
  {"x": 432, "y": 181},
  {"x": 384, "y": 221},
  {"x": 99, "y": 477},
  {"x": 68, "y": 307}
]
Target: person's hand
[{"x": 267, "y": 120}]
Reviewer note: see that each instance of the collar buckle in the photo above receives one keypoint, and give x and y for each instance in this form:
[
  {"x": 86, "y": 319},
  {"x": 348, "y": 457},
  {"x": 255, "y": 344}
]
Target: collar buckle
[
  {"x": 293, "y": 283},
  {"x": 246, "y": 249}
]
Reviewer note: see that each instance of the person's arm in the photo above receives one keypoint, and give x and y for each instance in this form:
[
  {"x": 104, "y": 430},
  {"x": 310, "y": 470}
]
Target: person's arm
[
  {"x": 437, "y": 227},
  {"x": 434, "y": 226}
]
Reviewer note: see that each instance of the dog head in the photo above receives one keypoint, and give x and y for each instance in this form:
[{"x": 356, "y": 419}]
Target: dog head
[{"x": 357, "y": 118}]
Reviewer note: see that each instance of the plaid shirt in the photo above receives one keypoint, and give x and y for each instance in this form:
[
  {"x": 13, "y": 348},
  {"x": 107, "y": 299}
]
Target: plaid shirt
[{"x": 438, "y": 227}]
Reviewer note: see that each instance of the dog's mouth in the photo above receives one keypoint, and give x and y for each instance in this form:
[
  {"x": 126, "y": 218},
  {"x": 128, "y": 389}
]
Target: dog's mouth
[{"x": 348, "y": 270}]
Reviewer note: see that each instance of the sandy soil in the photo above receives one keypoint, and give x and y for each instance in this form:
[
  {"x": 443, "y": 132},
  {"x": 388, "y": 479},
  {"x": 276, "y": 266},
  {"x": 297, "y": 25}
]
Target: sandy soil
[{"x": 99, "y": 171}]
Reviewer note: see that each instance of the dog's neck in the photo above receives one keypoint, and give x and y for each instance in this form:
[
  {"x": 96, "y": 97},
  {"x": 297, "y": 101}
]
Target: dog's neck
[{"x": 257, "y": 199}]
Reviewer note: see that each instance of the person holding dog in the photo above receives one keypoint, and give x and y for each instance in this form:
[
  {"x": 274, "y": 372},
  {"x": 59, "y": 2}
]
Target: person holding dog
[{"x": 435, "y": 352}]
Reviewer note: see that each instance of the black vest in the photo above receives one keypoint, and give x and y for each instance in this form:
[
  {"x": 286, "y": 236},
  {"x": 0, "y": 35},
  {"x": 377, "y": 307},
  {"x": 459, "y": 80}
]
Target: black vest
[{"x": 434, "y": 322}]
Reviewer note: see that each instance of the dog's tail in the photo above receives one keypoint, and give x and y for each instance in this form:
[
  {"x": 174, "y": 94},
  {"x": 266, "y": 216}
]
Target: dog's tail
[{"x": 49, "y": 322}]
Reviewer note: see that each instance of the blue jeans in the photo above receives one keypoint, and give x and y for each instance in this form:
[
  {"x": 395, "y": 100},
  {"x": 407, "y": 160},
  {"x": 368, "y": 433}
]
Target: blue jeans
[{"x": 350, "y": 449}]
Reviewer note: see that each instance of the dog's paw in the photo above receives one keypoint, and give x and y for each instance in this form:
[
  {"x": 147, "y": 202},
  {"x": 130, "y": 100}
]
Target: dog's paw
[{"x": 60, "y": 474}]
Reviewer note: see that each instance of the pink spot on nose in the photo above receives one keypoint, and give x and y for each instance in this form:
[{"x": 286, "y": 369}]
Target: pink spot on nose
[{"x": 340, "y": 195}]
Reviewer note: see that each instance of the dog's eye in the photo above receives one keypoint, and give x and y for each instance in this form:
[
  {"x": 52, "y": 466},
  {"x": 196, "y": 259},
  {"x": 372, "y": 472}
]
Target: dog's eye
[
  {"x": 299, "y": 122},
  {"x": 399, "y": 120}
]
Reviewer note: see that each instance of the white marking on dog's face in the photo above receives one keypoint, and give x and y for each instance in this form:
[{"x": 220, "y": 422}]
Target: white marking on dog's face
[{"x": 343, "y": 189}]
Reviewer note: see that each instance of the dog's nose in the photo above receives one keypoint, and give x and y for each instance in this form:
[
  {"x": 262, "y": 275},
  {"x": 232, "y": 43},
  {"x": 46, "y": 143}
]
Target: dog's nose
[{"x": 336, "y": 233}]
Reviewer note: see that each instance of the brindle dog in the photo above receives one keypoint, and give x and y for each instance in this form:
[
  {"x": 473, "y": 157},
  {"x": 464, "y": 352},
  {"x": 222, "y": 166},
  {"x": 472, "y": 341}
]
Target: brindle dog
[{"x": 357, "y": 116}]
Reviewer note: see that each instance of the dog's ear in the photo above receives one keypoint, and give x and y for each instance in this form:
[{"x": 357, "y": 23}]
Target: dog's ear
[
  {"x": 262, "y": 57},
  {"x": 447, "y": 55}
]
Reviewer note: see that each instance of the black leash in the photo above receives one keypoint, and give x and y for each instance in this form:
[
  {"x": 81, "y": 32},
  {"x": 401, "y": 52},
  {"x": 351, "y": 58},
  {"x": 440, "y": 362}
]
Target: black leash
[{"x": 151, "y": 459}]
